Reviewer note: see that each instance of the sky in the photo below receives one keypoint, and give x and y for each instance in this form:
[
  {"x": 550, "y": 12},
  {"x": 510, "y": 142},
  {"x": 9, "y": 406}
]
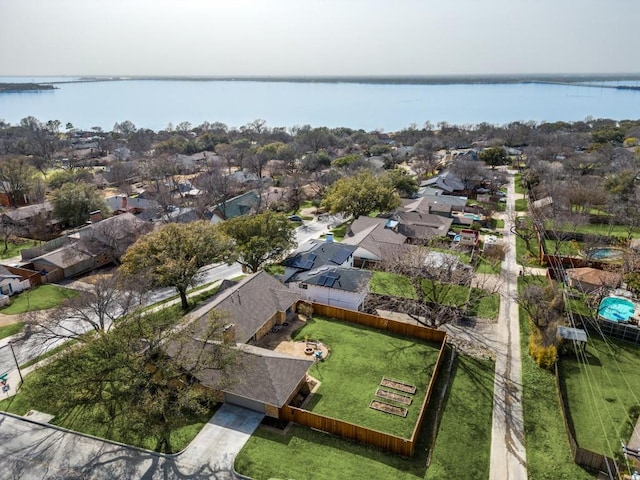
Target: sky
[{"x": 317, "y": 37}]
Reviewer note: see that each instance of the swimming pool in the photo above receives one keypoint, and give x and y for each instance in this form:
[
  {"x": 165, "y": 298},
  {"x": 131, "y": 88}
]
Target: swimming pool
[
  {"x": 477, "y": 218},
  {"x": 605, "y": 253},
  {"x": 616, "y": 309}
]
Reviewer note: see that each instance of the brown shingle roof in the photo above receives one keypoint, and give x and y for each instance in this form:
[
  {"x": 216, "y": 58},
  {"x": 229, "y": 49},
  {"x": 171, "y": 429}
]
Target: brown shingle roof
[
  {"x": 250, "y": 303},
  {"x": 594, "y": 276}
]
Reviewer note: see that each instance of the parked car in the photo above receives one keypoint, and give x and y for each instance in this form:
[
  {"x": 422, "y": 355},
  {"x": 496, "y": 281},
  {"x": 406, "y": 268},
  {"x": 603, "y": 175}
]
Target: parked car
[{"x": 295, "y": 218}]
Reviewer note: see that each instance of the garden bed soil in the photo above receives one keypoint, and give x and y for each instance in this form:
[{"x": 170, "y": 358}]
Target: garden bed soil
[
  {"x": 403, "y": 387},
  {"x": 388, "y": 408},
  {"x": 393, "y": 396}
]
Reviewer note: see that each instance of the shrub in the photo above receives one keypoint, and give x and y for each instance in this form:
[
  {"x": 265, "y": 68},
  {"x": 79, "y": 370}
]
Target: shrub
[{"x": 544, "y": 355}]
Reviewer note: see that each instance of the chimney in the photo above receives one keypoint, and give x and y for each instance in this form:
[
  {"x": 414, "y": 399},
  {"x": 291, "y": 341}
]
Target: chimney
[
  {"x": 329, "y": 238},
  {"x": 95, "y": 216},
  {"x": 124, "y": 202},
  {"x": 229, "y": 334}
]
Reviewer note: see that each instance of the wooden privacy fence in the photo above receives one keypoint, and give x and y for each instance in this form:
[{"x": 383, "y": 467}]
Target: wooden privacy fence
[
  {"x": 401, "y": 446},
  {"x": 385, "y": 441},
  {"x": 374, "y": 321},
  {"x": 582, "y": 456}
]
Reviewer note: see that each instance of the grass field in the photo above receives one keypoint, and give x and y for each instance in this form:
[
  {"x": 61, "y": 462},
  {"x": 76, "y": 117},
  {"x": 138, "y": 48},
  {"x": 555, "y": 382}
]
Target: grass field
[
  {"x": 92, "y": 420},
  {"x": 488, "y": 266},
  {"x": 38, "y": 298},
  {"x": 465, "y": 427},
  {"x": 548, "y": 454},
  {"x": 526, "y": 257},
  {"x": 360, "y": 357},
  {"x": 486, "y": 306},
  {"x": 8, "y": 330},
  {"x": 521, "y": 205},
  {"x": 518, "y": 183},
  {"x": 564, "y": 247},
  {"x": 608, "y": 230},
  {"x": 603, "y": 394},
  {"x": 14, "y": 248}
]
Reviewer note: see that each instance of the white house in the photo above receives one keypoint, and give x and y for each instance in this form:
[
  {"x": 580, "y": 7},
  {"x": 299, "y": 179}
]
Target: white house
[
  {"x": 10, "y": 283},
  {"x": 335, "y": 286}
]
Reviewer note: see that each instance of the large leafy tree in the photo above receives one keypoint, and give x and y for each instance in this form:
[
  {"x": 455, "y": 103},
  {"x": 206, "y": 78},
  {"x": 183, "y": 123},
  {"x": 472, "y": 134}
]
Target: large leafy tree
[
  {"x": 73, "y": 202},
  {"x": 494, "y": 156},
  {"x": 17, "y": 178},
  {"x": 138, "y": 382},
  {"x": 172, "y": 256},
  {"x": 360, "y": 195},
  {"x": 405, "y": 183},
  {"x": 261, "y": 238}
]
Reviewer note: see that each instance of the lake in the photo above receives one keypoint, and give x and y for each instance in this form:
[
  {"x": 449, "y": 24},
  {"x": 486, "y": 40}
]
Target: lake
[{"x": 390, "y": 107}]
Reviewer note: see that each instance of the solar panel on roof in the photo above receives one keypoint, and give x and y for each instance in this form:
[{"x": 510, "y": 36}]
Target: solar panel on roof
[
  {"x": 330, "y": 281},
  {"x": 341, "y": 256},
  {"x": 322, "y": 280}
]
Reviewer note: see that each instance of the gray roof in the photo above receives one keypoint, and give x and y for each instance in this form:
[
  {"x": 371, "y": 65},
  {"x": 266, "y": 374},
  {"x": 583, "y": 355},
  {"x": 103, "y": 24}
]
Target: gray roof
[
  {"x": 116, "y": 203},
  {"x": 422, "y": 225},
  {"x": 257, "y": 374},
  {"x": 338, "y": 278},
  {"x": 250, "y": 303},
  {"x": 4, "y": 273},
  {"x": 318, "y": 253},
  {"x": 238, "y": 206},
  {"x": 575, "y": 334},
  {"x": 372, "y": 235},
  {"x": 28, "y": 212}
]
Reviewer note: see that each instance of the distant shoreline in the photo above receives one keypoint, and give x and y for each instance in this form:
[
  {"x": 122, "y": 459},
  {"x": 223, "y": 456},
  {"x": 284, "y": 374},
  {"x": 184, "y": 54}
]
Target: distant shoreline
[
  {"x": 580, "y": 79},
  {"x": 25, "y": 87}
]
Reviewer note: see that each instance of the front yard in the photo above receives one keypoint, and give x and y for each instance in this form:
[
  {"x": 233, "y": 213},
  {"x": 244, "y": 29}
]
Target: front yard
[
  {"x": 360, "y": 357},
  {"x": 462, "y": 448},
  {"x": 38, "y": 298}
]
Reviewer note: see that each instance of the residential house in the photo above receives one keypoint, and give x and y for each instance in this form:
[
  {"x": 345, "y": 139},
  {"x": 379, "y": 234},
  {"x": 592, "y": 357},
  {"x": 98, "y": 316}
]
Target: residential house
[
  {"x": 420, "y": 227},
  {"x": 447, "y": 183},
  {"x": 375, "y": 239},
  {"x": 468, "y": 237},
  {"x": 244, "y": 204},
  {"x": 119, "y": 204},
  {"x": 323, "y": 272},
  {"x": 90, "y": 247},
  {"x": 32, "y": 221},
  {"x": 589, "y": 279},
  {"x": 11, "y": 198},
  {"x": 261, "y": 379},
  {"x": 11, "y": 283}
]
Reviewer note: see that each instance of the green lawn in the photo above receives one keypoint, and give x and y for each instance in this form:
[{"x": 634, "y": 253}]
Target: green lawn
[
  {"x": 608, "y": 230},
  {"x": 12, "y": 329},
  {"x": 38, "y": 298},
  {"x": 364, "y": 356},
  {"x": 496, "y": 223},
  {"x": 488, "y": 266},
  {"x": 93, "y": 421},
  {"x": 526, "y": 257},
  {"x": 521, "y": 205},
  {"x": 15, "y": 247},
  {"x": 603, "y": 394},
  {"x": 465, "y": 427},
  {"x": 564, "y": 247},
  {"x": 518, "y": 183},
  {"x": 481, "y": 305},
  {"x": 548, "y": 454}
]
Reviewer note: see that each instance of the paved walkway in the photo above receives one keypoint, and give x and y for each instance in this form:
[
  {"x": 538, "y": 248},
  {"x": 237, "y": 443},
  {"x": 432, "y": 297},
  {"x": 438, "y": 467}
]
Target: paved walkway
[
  {"x": 508, "y": 455},
  {"x": 31, "y": 450}
]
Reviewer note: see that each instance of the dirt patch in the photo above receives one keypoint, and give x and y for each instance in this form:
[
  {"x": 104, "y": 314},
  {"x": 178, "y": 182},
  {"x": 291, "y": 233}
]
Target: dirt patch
[
  {"x": 388, "y": 408},
  {"x": 396, "y": 385},
  {"x": 298, "y": 349},
  {"x": 393, "y": 396}
]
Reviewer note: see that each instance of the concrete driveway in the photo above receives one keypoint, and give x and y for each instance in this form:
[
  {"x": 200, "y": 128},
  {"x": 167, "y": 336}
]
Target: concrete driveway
[{"x": 30, "y": 450}]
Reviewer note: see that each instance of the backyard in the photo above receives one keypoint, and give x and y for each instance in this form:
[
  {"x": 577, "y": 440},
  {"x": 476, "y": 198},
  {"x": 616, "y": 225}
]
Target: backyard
[
  {"x": 548, "y": 454},
  {"x": 360, "y": 357},
  {"x": 602, "y": 394},
  {"x": 481, "y": 304},
  {"x": 15, "y": 246},
  {"x": 38, "y": 298},
  {"x": 465, "y": 427}
]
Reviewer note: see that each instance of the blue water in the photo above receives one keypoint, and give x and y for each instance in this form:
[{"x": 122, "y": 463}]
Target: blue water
[
  {"x": 604, "y": 253},
  {"x": 616, "y": 309},
  {"x": 390, "y": 107}
]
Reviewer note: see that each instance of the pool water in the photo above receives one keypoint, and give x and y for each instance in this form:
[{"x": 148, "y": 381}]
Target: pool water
[
  {"x": 616, "y": 309},
  {"x": 604, "y": 253},
  {"x": 477, "y": 218}
]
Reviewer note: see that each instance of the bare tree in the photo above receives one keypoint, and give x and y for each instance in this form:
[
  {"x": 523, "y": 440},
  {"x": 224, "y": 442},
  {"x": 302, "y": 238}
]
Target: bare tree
[
  {"x": 444, "y": 290},
  {"x": 96, "y": 309}
]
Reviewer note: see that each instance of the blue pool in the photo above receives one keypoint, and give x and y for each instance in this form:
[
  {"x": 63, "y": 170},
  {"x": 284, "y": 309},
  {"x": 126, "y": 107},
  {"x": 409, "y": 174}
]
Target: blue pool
[
  {"x": 477, "y": 218},
  {"x": 604, "y": 253},
  {"x": 616, "y": 309}
]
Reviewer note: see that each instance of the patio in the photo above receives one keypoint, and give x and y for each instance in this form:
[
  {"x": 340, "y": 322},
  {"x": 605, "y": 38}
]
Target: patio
[{"x": 279, "y": 340}]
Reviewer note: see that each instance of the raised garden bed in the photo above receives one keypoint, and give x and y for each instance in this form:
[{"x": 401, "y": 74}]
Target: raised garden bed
[
  {"x": 396, "y": 397},
  {"x": 403, "y": 387},
  {"x": 388, "y": 408}
]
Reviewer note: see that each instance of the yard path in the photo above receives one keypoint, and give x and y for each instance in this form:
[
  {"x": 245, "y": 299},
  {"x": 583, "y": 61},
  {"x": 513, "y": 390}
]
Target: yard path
[{"x": 508, "y": 454}]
